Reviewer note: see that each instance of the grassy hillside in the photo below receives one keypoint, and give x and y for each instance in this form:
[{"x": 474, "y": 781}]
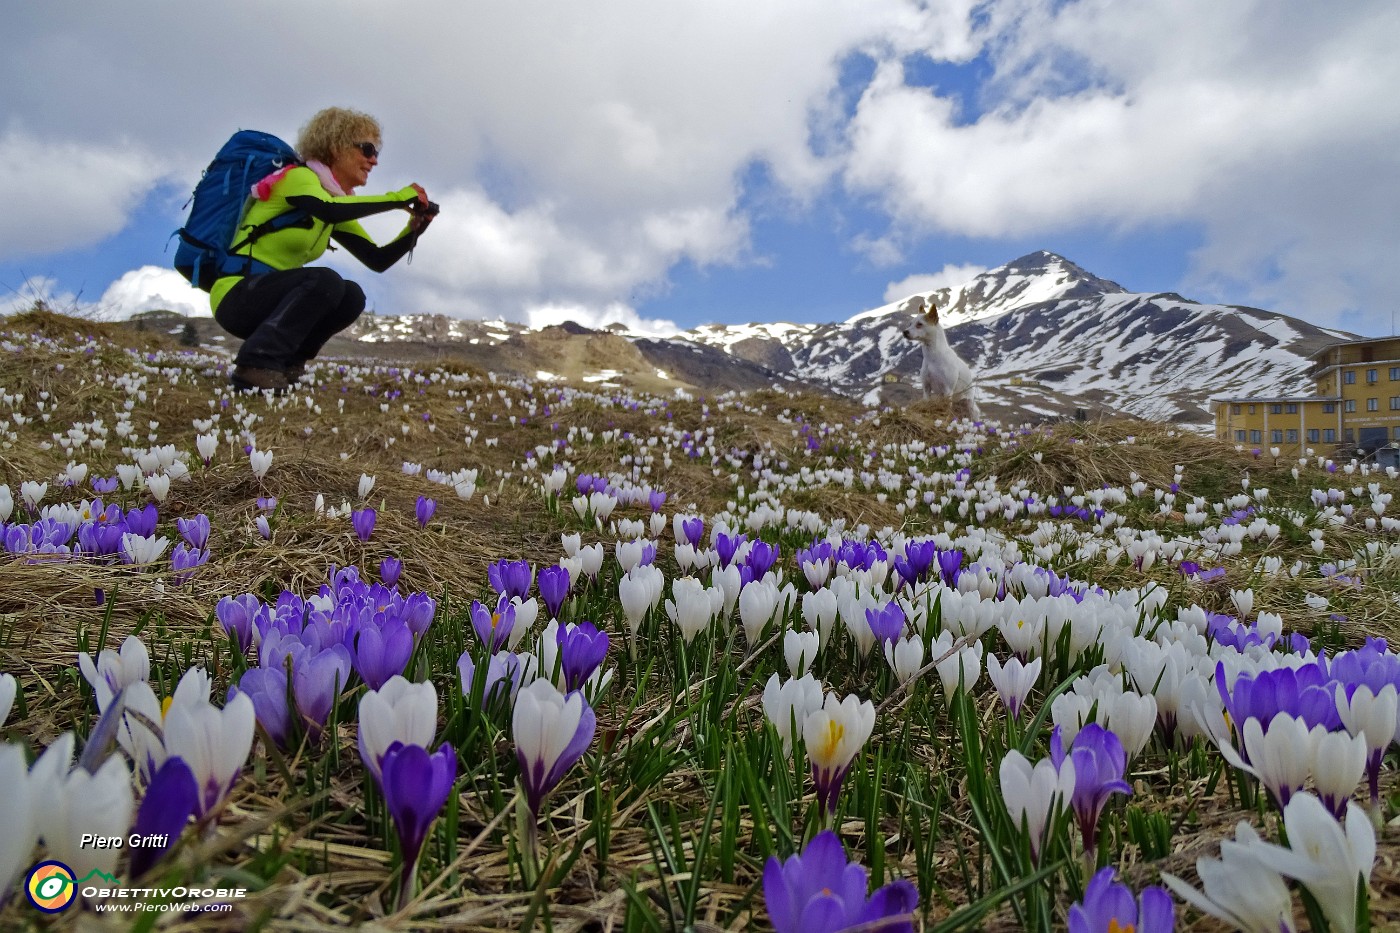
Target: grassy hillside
[{"x": 1104, "y": 535}]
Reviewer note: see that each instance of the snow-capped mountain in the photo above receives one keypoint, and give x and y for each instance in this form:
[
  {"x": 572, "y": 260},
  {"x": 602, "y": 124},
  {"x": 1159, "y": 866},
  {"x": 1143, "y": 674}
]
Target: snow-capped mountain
[{"x": 1044, "y": 336}]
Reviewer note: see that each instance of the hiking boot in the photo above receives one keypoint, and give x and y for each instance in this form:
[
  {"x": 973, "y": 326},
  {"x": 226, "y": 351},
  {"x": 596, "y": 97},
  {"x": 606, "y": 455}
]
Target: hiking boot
[
  {"x": 251, "y": 379},
  {"x": 295, "y": 372}
]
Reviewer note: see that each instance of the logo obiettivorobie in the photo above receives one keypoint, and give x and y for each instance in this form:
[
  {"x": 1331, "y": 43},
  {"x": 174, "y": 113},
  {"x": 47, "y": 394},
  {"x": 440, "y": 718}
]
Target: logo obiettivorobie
[{"x": 51, "y": 886}]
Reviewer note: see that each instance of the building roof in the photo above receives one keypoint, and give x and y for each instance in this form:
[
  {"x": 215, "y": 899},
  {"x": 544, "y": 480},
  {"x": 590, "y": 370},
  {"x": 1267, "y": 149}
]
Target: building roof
[{"x": 1353, "y": 343}]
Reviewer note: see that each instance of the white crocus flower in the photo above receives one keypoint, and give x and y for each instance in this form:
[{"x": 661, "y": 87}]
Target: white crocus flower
[
  {"x": 17, "y": 830},
  {"x": 399, "y": 711},
  {"x": 7, "y": 502},
  {"x": 836, "y": 732},
  {"x": 158, "y": 486},
  {"x": 261, "y": 462},
  {"x": 143, "y": 550},
  {"x": 758, "y": 603},
  {"x": 1325, "y": 857},
  {"x": 592, "y": 557},
  {"x": 905, "y": 657},
  {"x": 634, "y": 592},
  {"x": 1281, "y": 758},
  {"x": 74, "y": 803},
  {"x": 1368, "y": 713},
  {"x": 691, "y": 608},
  {"x": 959, "y": 670},
  {"x": 1131, "y": 717},
  {"x": 1033, "y": 794},
  {"x": 33, "y": 493},
  {"x": 1239, "y": 888},
  {"x": 819, "y": 611},
  {"x": 213, "y": 742},
  {"x": 1244, "y": 602},
  {"x": 116, "y": 669},
  {"x": 8, "y": 688},
  {"x": 799, "y": 651},
  {"x": 1013, "y": 680},
  {"x": 788, "y": 702},
  {"x": 206, "y": 445},
  {"x": 366, "y": 487},
  {"x": 1339, "y": 763}
]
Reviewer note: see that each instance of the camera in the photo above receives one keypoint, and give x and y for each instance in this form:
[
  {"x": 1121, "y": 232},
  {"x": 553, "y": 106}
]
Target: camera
[{"x": 430, "y": 209}]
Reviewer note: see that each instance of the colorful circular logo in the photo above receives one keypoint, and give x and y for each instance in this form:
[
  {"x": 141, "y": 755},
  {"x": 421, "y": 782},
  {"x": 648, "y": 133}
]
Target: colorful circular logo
[{"x": 51, "y": 887}]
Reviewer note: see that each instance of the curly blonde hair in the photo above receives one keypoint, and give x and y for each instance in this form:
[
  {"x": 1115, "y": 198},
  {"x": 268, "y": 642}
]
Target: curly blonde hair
[{"x": 336, "y": 129}]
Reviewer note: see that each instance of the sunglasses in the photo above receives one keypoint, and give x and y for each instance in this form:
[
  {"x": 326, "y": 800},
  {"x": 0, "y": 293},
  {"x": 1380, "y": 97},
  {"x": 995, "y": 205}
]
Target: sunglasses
[{"x": 369, "y": 150}]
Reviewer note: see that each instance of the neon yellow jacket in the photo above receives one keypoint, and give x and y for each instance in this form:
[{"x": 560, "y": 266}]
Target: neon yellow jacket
[{"x": 328, "y": 216}]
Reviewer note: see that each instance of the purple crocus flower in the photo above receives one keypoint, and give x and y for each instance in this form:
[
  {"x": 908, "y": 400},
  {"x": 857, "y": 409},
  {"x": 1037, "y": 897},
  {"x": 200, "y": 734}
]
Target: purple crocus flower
[
  {"x": 511, "y": 578},
  {"x": 761, "y": 559},
  {"x": 424, "y": 510},
  {"x": 582, "y": 650},
  {"x": 363, "y": 521},
  {"x": 184, "y": 560},
  {"x": 142, "y": 521},
  {"x": 239, "y": 616},
  {"x": 554, "y": 586},
  {"x": 656, "y": 499},
  {"x": 820, "y": 892},
  {"x": 694, "y": 531},
  {"x": 1109, "y": 905},
  {"x": 317, "y": 681},
  {"x": 916, "y": 562},
  {"x": 267, "y": 688},
  {"x": 493, "y": 628},
  {"x": 950, "y": 566},
  {"x": 381, "y": 651},
  {"x": 168, "y": 805},
  {"x": 415, "y": 786},
  {"x": 389, "y": 570},
  {"x": 887, "y": 622},
  {"x": 194, "y": 530},
  {"x": 104, "y": 485},
  {"x": 726, "y": 546},
  {"x": 1099, "y": 764}
]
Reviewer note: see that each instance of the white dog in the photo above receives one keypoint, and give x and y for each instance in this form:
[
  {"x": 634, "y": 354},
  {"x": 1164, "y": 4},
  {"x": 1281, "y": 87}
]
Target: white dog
[{"x": 944, "y": 374}]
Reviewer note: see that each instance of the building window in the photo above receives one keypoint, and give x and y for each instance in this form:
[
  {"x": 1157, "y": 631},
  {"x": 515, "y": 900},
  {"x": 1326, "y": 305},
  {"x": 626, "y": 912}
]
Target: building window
[
  {"x": 1234, "y": 409},
  {"x": 1395, "y": 403},
  {"x": 1349, "y": 435},
  {"x": 1256, "y": 437},
  {"x": 1349, "y": 405},
  {"x": 1372, "y": 375},
  {"x": 1292, "y": 435},
  {"x": 1275, "y": 409},
  {"x": 1241, "y": 436},
  {"x": 1276, "y": 437},
  {"x": 1291, "y": 408},
  {"x": 1329, "y": 408},
  {"x": 1373, "y": 404},
  {"x": 1349, "y": 377},
  {"x": 1395, "y": 374},
  {"x": 1251, "y": 409},
  {"x": 1314, "y": 435},
  {"x": 1329, "y": 435}
]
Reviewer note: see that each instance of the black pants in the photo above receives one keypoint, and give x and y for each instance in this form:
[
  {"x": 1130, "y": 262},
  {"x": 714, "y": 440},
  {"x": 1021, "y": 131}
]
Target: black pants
[{"x": 284, "y": 318}]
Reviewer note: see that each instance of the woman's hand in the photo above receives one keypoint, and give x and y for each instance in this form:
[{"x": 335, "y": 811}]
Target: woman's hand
[{"x": 419, "y": 214}]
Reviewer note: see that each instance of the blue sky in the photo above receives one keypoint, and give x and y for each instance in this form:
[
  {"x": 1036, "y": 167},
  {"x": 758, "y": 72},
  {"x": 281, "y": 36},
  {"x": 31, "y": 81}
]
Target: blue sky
[{"x": 671, "y": 165}]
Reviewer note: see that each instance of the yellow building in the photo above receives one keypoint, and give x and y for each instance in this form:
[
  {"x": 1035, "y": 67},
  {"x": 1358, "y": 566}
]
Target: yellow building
[{"x": 1357, "y": 405}]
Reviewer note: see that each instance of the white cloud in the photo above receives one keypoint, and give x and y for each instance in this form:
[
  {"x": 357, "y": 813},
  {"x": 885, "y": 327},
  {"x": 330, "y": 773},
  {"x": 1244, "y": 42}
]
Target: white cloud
[
  {"x": 1267, "y": 126},
  {"x": 151, "y": 288},
  {"x": 64, "y": 195},
  {"x": 950, "y": 276},
  {"x": 599, "y": 318}
]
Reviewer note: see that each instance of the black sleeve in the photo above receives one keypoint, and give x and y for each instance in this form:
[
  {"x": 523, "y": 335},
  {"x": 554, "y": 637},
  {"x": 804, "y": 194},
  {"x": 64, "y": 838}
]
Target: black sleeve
[
  {"x": 375, "y": 257},
  {"x": 333, "y": 212}
]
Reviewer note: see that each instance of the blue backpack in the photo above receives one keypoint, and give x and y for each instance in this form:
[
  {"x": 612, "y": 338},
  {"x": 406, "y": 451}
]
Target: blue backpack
[{"x": 206, "y": 250}]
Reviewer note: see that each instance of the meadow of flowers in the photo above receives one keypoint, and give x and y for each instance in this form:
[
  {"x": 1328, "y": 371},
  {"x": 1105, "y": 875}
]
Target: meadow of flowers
[{"x": 437, "y": 649}]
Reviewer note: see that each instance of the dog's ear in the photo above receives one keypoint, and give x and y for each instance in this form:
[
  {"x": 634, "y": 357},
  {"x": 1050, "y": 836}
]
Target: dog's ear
[{"x": 931, "y": 315}]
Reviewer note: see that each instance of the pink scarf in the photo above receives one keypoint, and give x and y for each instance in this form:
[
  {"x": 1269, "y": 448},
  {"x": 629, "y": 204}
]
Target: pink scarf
[{"x": 263, "y": 189}]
